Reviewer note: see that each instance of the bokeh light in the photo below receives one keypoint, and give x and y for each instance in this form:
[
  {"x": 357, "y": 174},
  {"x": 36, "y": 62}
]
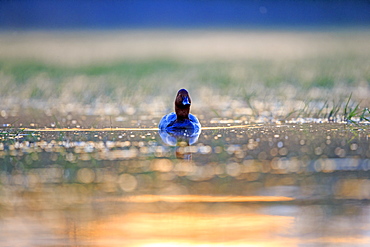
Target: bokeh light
[{"x": 281, "y": 89}]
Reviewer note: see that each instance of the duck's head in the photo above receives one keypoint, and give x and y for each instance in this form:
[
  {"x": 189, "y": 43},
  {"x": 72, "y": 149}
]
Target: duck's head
[{"x": 182, "y": 104}]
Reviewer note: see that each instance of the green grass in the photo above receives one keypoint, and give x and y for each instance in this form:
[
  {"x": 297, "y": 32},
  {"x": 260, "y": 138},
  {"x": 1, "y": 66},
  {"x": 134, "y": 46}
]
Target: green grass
[
  {"x": 253, "y": 82},
  {"x": 324, "y": 72}
]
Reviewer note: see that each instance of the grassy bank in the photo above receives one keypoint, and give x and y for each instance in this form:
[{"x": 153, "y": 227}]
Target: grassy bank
[{"x": 315, "y": 79}]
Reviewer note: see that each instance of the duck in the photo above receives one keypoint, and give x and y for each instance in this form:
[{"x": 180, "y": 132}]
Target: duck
[{"x": 181, "y": 119}]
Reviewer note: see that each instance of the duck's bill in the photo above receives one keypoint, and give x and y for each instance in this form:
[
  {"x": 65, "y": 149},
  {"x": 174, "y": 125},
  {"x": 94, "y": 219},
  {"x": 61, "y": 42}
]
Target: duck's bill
[{"x": 185, "y": 101}]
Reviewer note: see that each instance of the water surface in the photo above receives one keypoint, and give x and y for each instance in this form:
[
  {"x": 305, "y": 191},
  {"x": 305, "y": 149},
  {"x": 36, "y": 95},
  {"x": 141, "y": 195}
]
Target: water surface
[{"x": 257, "y": 185}]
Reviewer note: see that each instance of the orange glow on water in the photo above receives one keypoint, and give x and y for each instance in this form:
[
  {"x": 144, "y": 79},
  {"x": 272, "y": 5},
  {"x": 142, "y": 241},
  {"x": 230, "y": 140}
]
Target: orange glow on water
[
  {"x": 203, "y": 198},
  {"x": 186, "y": 229},
  {"x": 350, "y": 241}
]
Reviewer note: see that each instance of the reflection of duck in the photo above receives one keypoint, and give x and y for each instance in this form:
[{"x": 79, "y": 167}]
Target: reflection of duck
[
  {"x": 174, "y": 137},
  {"x": 181, "y": 138},
  {"x": 181, "y": 118}
]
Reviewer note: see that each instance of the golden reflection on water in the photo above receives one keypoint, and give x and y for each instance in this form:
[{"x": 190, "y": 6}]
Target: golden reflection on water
[
  {"x": 193, "y": 225},
  {"x": 203, "y": 198},
  {"x": 192, "y": 229}
]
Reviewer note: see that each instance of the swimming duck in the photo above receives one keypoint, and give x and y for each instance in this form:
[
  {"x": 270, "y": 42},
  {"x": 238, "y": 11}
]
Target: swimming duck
[{"x": 181, "y": 118}]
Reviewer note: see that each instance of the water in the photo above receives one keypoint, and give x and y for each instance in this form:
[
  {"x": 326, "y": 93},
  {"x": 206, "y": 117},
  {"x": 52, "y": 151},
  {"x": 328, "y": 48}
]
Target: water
[{"x": 258, "y": 185}]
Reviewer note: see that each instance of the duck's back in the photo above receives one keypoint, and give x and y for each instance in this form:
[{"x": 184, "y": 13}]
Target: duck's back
[
  {"x": 194, "y": 119},
  {"x": 169, "y": 120}
]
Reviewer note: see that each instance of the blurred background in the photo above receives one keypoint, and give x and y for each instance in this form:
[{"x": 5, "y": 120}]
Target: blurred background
[
  {"x": 40, "y": 14},
  {"x": 287, "y": 58},
  {"x": 282, "y": 91}
]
